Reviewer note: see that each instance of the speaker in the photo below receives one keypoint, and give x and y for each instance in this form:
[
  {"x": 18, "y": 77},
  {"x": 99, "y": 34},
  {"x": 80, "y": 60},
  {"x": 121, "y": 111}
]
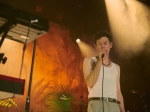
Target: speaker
[{"x": 12, "y": 85}]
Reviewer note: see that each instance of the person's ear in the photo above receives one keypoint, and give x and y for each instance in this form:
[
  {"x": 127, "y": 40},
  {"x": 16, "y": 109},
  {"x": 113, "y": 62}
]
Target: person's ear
[{"x": 111, "y": 44}]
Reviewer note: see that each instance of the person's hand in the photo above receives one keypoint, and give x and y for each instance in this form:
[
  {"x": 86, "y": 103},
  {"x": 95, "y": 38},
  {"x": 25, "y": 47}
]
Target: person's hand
[{"x": 102, "y": 53}]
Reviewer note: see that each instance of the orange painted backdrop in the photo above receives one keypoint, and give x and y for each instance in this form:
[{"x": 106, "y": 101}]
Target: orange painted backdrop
[{"x": 58, "y": 61}]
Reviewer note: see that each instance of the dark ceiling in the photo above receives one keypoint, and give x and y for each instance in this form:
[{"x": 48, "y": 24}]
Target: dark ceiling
[
  {"x": 78, "y": 15},
  {"x": 86, "y": 16}
]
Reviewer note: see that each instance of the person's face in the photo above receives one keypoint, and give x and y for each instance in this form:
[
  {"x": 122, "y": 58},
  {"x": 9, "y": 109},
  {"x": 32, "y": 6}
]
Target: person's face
[{"x": 103, "y": 45}]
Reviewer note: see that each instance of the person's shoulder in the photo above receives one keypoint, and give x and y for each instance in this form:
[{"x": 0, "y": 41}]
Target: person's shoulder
[
  {"x": 116, "y": 65},
  {"x": 88, "y": 58}
]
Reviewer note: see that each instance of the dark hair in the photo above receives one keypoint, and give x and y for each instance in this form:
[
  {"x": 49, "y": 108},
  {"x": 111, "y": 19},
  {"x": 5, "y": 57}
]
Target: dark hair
[{"x": 101, "y": 34}]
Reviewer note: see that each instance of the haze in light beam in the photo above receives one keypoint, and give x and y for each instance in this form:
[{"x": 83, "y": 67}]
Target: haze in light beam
[
  {"x": 86, "y": 50},
  {"x": 130, "y": 25}
]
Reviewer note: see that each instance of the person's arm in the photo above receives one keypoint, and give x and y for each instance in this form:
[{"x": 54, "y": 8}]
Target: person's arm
[
  {"x": 119, "y": 94},
  {"x": 91, "y": 77}
]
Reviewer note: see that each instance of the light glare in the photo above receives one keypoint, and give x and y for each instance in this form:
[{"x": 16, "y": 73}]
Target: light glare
[
  {"x": 78, "y": 40},
  {"x": 129, "y": 22}
]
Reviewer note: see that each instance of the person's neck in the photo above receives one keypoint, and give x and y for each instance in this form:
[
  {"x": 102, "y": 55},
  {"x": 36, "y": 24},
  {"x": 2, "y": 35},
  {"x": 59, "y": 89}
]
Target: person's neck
[{"x": 106, "y": 61}]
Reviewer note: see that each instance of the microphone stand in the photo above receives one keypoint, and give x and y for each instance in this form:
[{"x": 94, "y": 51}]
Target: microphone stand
[
  {"x": 30, "y": 80},
  {"x": 27, "y": 106},
  {"x": 102, "y": 82}
]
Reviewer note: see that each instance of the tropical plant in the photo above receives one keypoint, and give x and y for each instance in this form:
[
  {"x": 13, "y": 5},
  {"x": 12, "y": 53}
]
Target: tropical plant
[
  {"x": 62, "y": 98},
  {"x": 7, "y": 102}
]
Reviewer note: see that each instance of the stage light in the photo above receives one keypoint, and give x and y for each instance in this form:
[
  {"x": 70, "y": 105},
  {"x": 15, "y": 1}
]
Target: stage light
[
  {"x": 78, "y": 40},
  {"x": 86, "y": 49}
]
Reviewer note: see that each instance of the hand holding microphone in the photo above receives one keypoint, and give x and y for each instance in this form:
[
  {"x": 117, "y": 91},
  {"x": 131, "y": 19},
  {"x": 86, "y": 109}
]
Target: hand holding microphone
[{"x": 102, "y": 54}]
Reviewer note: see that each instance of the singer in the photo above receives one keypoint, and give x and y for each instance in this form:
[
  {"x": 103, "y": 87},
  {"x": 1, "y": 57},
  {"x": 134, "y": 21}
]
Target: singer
[{"x": 102, "y": 77}]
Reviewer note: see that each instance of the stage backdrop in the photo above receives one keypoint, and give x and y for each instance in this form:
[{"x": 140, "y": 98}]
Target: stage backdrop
[{"x": 57, "y": 84}]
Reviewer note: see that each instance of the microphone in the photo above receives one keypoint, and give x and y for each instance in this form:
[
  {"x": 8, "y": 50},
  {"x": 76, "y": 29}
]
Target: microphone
[{"x": 102, "y": 55}]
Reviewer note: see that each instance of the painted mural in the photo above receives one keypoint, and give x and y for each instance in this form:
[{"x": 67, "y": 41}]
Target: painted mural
[{"x": 57, "y": 80}]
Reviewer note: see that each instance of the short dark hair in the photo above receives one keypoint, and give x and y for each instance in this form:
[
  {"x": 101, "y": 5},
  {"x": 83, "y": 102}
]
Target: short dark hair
[{"x": 101, "y": 34}]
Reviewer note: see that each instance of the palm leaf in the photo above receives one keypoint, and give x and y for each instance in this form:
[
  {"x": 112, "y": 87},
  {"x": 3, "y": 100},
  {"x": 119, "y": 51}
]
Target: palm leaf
[{"x": 61, "y": 98}]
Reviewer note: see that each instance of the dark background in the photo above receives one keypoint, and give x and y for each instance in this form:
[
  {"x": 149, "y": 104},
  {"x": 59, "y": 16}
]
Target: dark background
[{"x": 85, "y": 17}]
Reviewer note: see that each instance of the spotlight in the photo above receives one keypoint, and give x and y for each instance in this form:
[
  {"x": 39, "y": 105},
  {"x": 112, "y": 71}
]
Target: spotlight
[{"x": 78, "y": 40}]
